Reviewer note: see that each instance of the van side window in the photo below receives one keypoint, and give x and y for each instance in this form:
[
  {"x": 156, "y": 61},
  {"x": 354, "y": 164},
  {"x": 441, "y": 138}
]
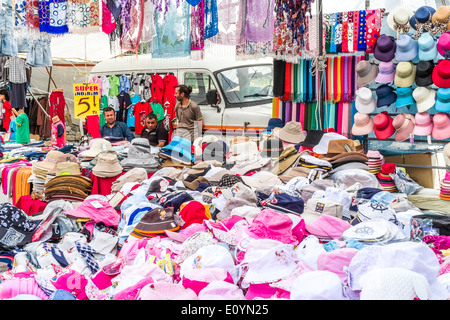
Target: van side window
[{"x": 201, "y": 83}]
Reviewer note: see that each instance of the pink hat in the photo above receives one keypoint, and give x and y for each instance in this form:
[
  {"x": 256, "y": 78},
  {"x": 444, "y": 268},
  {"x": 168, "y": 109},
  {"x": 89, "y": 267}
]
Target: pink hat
[
  {"x": 363, "y": 124},
  {"x": 96, "y": 209},
  {"x": 386, "y": 72},
  {"x": 327, "y": 226},
  {"x": 404, "y": 124},
  {"x": 270, "y": 224},
  {"x": 198, "y": 279},
  {"x": 336, "y": 261},
  {"x": 183, "y": 234},
  {"x": 443, "y": 44},
  {"x": 166, "y": 291},
  {"x": 131, "y": 293},
  {"x": 265, "y": 291},
  {"x": 221, "y": 290},
  {"x": 441, "y": 129},
  {"x": 424, "y": 124},
  {"x": 71, "y": 281},
  {"x": 27, "y": 285}
]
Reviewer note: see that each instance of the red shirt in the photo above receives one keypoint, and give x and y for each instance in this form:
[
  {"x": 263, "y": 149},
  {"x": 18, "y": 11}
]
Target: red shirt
[
  {"x": 157, "y": 88},
  {"x": 170, "y": 82},
  {"x": 141, "y": 110},
  {"x": 6, "y": 115}
]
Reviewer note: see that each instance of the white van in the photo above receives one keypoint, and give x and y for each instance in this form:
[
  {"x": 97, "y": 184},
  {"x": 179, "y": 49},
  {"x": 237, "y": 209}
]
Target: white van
[{"x": 234, "y": 96}]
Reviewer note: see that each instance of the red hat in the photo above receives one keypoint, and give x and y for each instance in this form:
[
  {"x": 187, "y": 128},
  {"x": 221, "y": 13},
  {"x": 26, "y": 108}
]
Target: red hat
[
  {"x": 383, "y": 127},
  {"x": 388, "y": 168},
  {"x": 192, "y": 212},
  {"x": 441, "y": 74}
]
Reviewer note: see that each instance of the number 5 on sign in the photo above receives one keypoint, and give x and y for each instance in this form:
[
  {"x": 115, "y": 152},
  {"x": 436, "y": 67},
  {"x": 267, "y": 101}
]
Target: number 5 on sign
[{"x": 86, "y": 100}]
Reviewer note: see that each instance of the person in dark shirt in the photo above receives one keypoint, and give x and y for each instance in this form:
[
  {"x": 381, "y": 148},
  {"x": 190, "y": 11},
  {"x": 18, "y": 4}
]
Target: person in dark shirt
[
  {"x": 113, "y": 128},
  {"x": 154, "y": 132}
]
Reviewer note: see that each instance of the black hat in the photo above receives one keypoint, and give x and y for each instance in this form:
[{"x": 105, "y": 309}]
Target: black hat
[
  {"x": 386, "y": 95},
  {"x": 424, "y": 71},
  {"x": 312, "y": 138}
]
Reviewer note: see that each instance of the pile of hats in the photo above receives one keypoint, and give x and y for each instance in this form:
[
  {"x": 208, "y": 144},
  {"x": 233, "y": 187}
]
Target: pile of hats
[
  {"x": 342, "y": 154},
  {"x": 385, "y": 179},
  {"x": 68, "y": 187},
  {"x": 375, "y": 161},
  {"x": 95, "y": 147},
  {"x": 40, "y": 171},
  {"x": 445, "y": 187},
  {"x": 179, "y": 150}
]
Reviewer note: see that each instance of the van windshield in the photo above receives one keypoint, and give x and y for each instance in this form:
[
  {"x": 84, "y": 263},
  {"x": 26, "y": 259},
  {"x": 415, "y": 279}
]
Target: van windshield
[{"x": 247, "y": 84}]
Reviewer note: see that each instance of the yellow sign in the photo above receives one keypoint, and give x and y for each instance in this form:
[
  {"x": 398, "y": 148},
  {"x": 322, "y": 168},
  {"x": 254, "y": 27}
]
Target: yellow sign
[{"x": 87, "y": 100}]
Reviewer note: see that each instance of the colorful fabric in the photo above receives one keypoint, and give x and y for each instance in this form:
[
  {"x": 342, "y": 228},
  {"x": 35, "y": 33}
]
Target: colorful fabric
[
  {"x": 211, "y": 19},
  {"x": 53, "y": 16},
  {"x": 362, "y": 31},
  {"x": 32, "y": 8},
  {"x": 230, "y": 22},
  {"x": 259, "y": 21},
  {"x": 198, "y": 26},
  {"x": 83, "y": 16},
  {"x": 373, "y": 27},
  {"x": 134, "y": 15}
]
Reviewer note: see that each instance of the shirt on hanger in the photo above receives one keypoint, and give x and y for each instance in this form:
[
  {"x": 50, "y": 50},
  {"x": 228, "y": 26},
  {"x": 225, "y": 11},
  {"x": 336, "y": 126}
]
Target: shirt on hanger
[
  {"x": 125, "y": 84},
  {"x": 115, "y": 84},
  {"x": 141, "y": 110},
  {"x": 17, "y": 70}
]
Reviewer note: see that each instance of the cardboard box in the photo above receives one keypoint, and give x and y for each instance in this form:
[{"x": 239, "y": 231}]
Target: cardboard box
[{"x": 423, "y": 176}]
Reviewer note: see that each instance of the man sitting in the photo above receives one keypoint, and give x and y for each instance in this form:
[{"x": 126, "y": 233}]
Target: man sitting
[
  {"x": 113, "y": 128},
  {"x": 154, "y": 132}
]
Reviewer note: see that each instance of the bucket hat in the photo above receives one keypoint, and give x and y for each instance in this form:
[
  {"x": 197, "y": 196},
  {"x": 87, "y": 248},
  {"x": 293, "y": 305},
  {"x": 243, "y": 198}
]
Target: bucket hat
[
  {"x": 385, "y": 48},
  {"x": 442, "y": 100},
  {"x": 140, "y": 156},
  {"x": 179, "y": 149},
  {"x": 97, "y": 210},
  {"x": 49, "y": 161},
  {"x": 407, "y": 48},
  {"x": 292, "y": 132},
  {"x": 441, "y": 74},
  {"x": 386, "y": 95},
  {"x": 425, "y": 98},
  {"x": 443, "y": 44},
  {"x": 422, "y": 16},
  {"x": 262, "y": 179},
  {"x": 65, "y": 157},
  {"x": 221, "y": 290},
  {"x": 405, "y": 97},
  {"x": 107, "y": 165},
  {"x": 240, "y": 146},
  {"x": 67, "y": 168},
  {"x": 404, "y": 124},
  {"x": 386, "y": 72},
  {"x": 198, "y": 279},
  {"x": 166, "y": 291},
  {"x": 271, "y": 148},
  {"x": 366, "y": 73},
  {"x": 405, "y": 74},
  {"x": 287, "y": 160},
  {"x": 424, "y": 72},
  {"x": 247, "y": 162},
  {"x": 424, "y": 124},
  {"x": 383, "y": 127},
  {"x": 427, "y": 47},
  {"x": 327, "y": 227},
  {"x": 365, "y": 102},
  {"x": 398, "y": 19},
  {"x": 98, "y": 145},
  {"x": 441, "y": 126},
  {"x": 274, "y": 123},
  {"x": 318, "y": 285},
  {"x": 363, "y": 124}
]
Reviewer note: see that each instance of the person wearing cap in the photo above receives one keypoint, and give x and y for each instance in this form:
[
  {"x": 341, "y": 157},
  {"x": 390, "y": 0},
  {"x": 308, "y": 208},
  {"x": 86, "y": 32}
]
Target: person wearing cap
[
  {"x": 113, "y": 128},
  {"x": 188, "y": 114},
  {"x": 154, "y": 132}
]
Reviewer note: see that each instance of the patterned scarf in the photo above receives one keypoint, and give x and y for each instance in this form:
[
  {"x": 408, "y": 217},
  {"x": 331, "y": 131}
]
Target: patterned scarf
[
  {"x": 52, "y": 16},
  {"x": 83, "y": 16},
  {"x": 231, "y": 15},
  {"x": 197, "y": 26},
  {"x": 131, "y": 36}
]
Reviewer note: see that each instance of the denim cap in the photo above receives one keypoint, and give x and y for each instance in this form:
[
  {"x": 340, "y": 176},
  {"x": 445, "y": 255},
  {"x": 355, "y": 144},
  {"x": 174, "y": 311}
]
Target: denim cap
[
  {"x": 424, "y": 72},
  {"x": 404, "y": 97},
  {"x": 386, "y": 95},
  {"x": 443, "y": 100},
  {"x": 427, "y": 47}
]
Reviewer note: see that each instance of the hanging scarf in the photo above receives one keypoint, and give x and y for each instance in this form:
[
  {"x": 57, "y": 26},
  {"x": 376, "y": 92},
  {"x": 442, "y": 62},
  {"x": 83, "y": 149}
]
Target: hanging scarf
[
  {"x": 172, "y": 32},
  {"x": 52, "y": 16},
  {"x": 20, "y": 18},
  {"x": 131, "y": 38},
  {"x": 33, "y": 15},
  {"x": 327, "y": 31},
  {"x": 148, "y": 28},
  {"x": 373, "y": 27},
  {"x": 197, "y": 26},
  {"x": 211, "y": 19},
  {"x": 231, "y": 15},
  {"x": 333, "y": 33},
  {"x": 108, "y": 21},
  {"x": 259, "y": 20},
  {"x": 355, "y": 30},
  {"x": 350, "y": 31},
  {"x": 83, "y": 16},
  {"x": 362, "y": 31},
  {"x": 338, "y": 32}
]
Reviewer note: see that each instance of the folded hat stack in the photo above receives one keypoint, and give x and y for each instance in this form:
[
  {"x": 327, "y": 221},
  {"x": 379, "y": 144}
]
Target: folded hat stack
[
  {"x": 40, "y": 171},
  {"x": 375, "y": 161},
  {"x": 445, "y": 187},
  {"x": 384, "y": 178},
  {"x": 68, "y": 187}
]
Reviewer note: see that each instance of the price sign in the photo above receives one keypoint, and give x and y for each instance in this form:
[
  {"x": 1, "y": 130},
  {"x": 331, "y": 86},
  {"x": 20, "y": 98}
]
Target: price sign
[{"x": 86, "y": 100}]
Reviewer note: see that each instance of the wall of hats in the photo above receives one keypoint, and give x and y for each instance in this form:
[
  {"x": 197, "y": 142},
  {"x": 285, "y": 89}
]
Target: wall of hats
[{"x": 403, "y": 90}]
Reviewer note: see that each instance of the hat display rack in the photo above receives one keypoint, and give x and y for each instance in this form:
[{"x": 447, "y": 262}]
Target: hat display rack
[{"x": 403, "y": 85}]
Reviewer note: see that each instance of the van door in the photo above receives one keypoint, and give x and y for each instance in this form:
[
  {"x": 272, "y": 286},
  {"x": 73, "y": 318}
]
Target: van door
[{"x": 201, "y": 82}]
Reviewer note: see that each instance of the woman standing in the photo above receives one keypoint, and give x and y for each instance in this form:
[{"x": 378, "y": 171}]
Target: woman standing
[{"x": 7, "y": 112}]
